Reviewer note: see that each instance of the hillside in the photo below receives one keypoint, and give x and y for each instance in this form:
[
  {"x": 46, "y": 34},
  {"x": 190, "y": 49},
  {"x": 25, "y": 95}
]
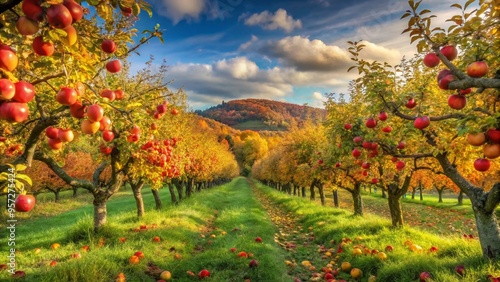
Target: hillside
[{"x": 261, "y": 114}]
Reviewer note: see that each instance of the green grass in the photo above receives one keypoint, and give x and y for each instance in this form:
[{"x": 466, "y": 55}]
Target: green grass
[
  {"x": 185, "y": 229},
  {"x": 331, "y": 226}
]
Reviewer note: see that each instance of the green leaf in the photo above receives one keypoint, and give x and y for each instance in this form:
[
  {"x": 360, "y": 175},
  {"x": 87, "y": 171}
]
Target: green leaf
[
  {"x": 349, "y": 69},
  {"x": 148, "y": 10},
  {"x": 405, "y": 15},
  {"x": 425, "y": 11},
  {"x": 456, "y": 5},
  {"x": 136, "y": 9}
]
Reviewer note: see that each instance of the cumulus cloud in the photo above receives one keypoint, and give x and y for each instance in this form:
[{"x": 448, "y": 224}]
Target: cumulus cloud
[
  {"x": 306, "y": 55},
  {"x": 317, "y": 99},
  {"x": 279, "y": 20},
  {"x": 249, "y": 43},
  {"x": 239, "y": 68},
  {"x": 177, "y": 10},
  {"x": 240, "y": 77}
]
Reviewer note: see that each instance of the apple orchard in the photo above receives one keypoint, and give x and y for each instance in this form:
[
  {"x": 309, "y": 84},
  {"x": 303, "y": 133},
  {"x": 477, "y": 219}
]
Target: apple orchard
[{"x": 67, "y": 89}]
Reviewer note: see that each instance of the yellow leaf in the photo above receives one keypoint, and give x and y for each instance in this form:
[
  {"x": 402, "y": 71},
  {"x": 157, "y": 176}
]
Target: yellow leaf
[
  {"x": 20, "y": 167},
  {"x": 25, "y": 178}
]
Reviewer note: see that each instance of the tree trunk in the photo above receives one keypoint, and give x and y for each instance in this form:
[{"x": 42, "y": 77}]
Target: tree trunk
[
  {"x": 336, "y": 198},
  {"x": 420, "y": 191},
  {"x": 489, "y": 233},
  {"x": 395, "y": 210},
  {"x": 460, "y": 198},
  {"x": 295, "y": 188},
  {"x": 100, "y": 210},
  {"x": 312, "y": 196},
  {"x": 303, "y": 192},
  {"x": 75, "y": 190},
  {"x": 136, "y": 188},
  {"x": 319, "y": 184},
  {"x": 189, "y": 187},
  {"x": 440, "y": 194},
  {"x": 156, "y": 195},
  {"x": 56, "y": 194},
  {"x": 384, "y": 195},
  {"x": 180, "y": 187},
  {"x": 413, "y": 193},
  {"x": 356, "y": 197},
  {"x": 172, "y": 193}
]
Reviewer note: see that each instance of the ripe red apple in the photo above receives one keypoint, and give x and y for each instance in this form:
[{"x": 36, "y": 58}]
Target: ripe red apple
[
  {"x": 356, "y": 153},
  {"x": 8, "y": 58},
  {"x": 25, "y": 92},
  {"x": 371, "y": 123},
  {"x": 43, "y": 48},
  {"x": 367, "y": 145},
  {"x": 357, "y": 139},
  {"x": 89, "y": 127},
  {"x": 7, "y": 89},
  {"x": 477, "y": 69},
  {"x": 375, "y": 180},
  {"x": 108, "y": 135},
  {"x": 105, "y": 123},
  {"x": 389, "y": 248},
  {"x": 114, "y": 66},
  {"x": 347, "y": 126},
  {"x": 14, "y": 111},
  {"x": 400, "y": 165},
  {"x": 154, "y": 126},
  {"x": 109, "y": 94},
  {"x": 477, "y": 139},
  {"x": 52, "y": 132},
  {"x": 258, "y": 240},
  {"x": 74, "y": 9},
  {"x": 450, "y": 52},
  {"x": 78, "y": 110},
  {"x": 382, "y": 116},
  {"x": 55, "y": 144},
  {"x": 457, "y": 101},
  {"x": 95, "y": 113},
  {"x": 26, "y": 26},
  {"x": 445, "y": 81},
  {"x": 66, "y": 135},
  {"x": 365, "y": 165},
  {"x": 338, "y": 164},
  {"x": 203, "y": 274},
  {"x": 320, "y": 162},
  {"x": 421, "y": 122},
  {"x": 401, "y": 145},
  {"x": 424, "y": 276},
  {"x": 120, "y": 94},
  {"x": 433, "y": 249},
  {"x": 59, "y": 16},
  {"x": 174, "y": 111},
  {"x": 253, "y": 264},
  {"x": 108, "y": 46},
  {"x": 387, "y": 129},
  {"x": 411, "y": 103},
  {"x": 32, "y": 9},
  {"x": 162, "y": 108},
  {"x": 24, "y": 203},
  {"x": 482, "y": 164},
  {"x": 493, "y": 135},
  {"x": 465, "y": 91},
  {"x": 67, "y": 96},
  {"x": 105, "y": 150},
  {"x": 374, "y": 146},
  {"x": 491, "y": 151},
  {"x": 460, "y": 270},
  {"x": 431, "y": 60},
  {"x": 443, "y": 73}
]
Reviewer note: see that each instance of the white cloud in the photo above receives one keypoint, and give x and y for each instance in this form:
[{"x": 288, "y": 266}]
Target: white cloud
[
  {"x": 268, "y": 20},
  {"x": 177, "y": 10},
  {"x": 239, "y": 68},
  {"x": 249, "y": 43}
]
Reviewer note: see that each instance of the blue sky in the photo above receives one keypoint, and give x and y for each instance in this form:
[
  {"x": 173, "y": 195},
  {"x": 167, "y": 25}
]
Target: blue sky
[{"x": 293, "y": 51}]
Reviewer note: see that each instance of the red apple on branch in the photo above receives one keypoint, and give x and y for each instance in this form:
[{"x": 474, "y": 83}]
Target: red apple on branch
[
  {"x": 25, "y": 92},
  {"x": 114, "y": 66},
  {"x": 457, "y": 101},
  {"x": 7, "y": 89},
  {"x": 95, "y": 113},
  {"x": 52, "y": 132},
  {"x": 8, "y": 58},
  {"x": 493, "y": 135},
  {"x": 55, "y": 144},
  {"x": 431, "y": 60},
  {"x": 59, "y": 16},
  {"x": 411, "y": 103},
  {"x": 422, "y": 122},
  {"x": 382, "y": 116},
  {"x": 450, "y": 52},
  {"x": 477, "y": 69},
  {"x": 26, "y": 26},
  {"x": 67, "y": 96},
  {"x": 476, "y": 139},
  {"x": 371, "y": 123},
  {"x": 32, "y": 9},
  {"x": 108, "y": 46},
  {"x": 42, "y": 47},
  {"x": 347, "y": 126},
  {"x": 482, "y": 164},
  {"x": 65, "y": 135}
]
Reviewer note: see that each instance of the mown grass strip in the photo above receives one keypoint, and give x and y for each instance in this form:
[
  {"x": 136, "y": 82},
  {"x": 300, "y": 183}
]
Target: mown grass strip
[
  {"x": 197, "y": 234},
  {"x": 332, "y": 226}
]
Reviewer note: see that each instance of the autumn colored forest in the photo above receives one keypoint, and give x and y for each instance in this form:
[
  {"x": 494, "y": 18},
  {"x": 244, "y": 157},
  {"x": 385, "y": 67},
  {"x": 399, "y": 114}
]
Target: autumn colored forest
[{"x": 79, "y": 127}]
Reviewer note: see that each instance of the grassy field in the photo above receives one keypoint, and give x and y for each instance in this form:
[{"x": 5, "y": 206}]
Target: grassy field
[{"x": 301, "y": 240}]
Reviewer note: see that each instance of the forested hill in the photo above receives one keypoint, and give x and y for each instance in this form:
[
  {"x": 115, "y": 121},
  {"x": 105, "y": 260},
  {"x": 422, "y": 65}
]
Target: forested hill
[{"x": 261, "y": 114}]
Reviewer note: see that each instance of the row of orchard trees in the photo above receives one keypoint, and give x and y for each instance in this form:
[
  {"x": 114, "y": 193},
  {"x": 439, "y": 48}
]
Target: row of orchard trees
[
  {"x": 400, "y": 126},
  {"x": 66, "y": 84}
]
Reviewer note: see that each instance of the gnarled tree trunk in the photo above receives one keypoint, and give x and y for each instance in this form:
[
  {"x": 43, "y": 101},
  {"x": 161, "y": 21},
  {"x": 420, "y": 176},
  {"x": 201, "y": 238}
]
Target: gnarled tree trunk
[
  {"x": 319, "y": 184},
  {"x": 172, "y": 193},
  {"x": 100, "y": 209},
  {"x": 75, "y": 191},
  {"x": 137, "y": 189},
  {"x": 460, "y": 198},
  {"x": 156, "y": 195},
  {"x": 440, "y": 194},
  {"x": 312, "y": 195},
  {"x": 336, "y": 198},
  {"x": 395, "y": 210},
  {"x": 303, "y": 189}
]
